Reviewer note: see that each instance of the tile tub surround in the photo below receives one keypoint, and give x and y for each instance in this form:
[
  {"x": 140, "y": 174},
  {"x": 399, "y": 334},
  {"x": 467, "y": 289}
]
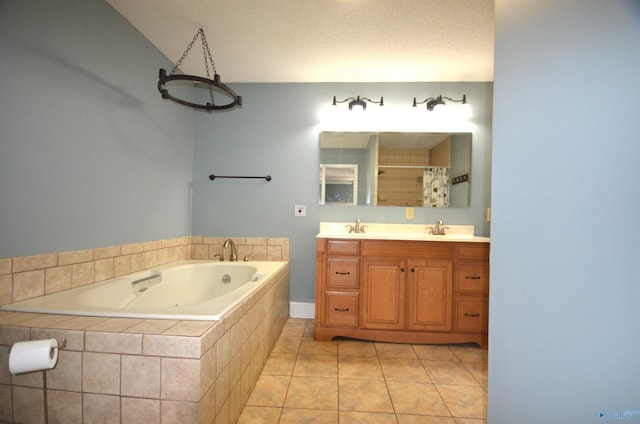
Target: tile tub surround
[
  {"x": 25, "y": 277},
  {"x": 125, "y": 370}
]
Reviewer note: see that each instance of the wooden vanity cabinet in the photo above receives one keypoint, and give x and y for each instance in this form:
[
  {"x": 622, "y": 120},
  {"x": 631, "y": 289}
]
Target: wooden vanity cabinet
[{"x": 402, "y": 291}]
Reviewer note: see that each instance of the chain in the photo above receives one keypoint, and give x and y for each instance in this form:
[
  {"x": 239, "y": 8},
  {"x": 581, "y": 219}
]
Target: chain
[{"x": 206, "y": 54}]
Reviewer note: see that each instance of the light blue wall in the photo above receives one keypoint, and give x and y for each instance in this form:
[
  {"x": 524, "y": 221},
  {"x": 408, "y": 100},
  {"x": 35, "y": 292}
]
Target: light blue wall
[
  {"x": 90, "y": 155},
  {"x": 277, "y": 133},
  {"x": 564, "y": 333}
]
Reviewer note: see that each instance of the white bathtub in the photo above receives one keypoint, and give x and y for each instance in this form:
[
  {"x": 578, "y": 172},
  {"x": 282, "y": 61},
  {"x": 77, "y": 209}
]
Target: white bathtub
[{"x": 190, "y": 290}]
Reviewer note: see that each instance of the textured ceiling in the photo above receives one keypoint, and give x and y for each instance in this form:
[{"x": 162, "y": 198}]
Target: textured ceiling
[{"x": 324, "y": 40}]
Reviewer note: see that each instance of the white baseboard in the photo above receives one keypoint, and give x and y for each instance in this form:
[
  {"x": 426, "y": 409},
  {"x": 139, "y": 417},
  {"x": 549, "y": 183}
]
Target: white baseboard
[{"x": 302, "y": 310}]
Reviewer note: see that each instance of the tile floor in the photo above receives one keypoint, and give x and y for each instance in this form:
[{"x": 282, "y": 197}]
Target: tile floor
[{"x": 351, "y": 381}]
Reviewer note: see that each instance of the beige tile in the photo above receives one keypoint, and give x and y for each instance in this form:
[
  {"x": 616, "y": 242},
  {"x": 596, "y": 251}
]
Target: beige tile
[
  {"x": 101, "y": 373},
  {"x": 355, "y": 367},
  {"x": 395, "y": 350},
  {"x": 367, "y": 417},
  {"x": 30, "y": 263},
  {"x": 173, "y": 412},
  {"x": 434, "y": 352},
  {"x": 67, "y": 374},
  {"x": 363, "y": 395},
  {"x": 6, "y": 410},
  {"x": 464, "y": 401},
  {"x": 188, "y": 328},
  {"x": 416, "y": 399},
  {"x": 28, "y": 405},
  {"x": 173, "y": 346},
  {"x": 104, "y": 269},
  {"x": 128, "y": 249},
  {"x": 10, "y": 335},
  {"x": 470, "y": 353},
  {"x": 479, "y": 371},
  {"x": 75, "y": 256},
  {"x": 470, "y": 421},
  {"x": 135, "y": 410},
  {"x": 100, "y": 409},
  {"x": 259, "y": 415},
  {"x": 122, "y": 265},
  {"x": 208, "y": 371},
  {"x": 449, "y": 372},
  {"x": 400, "y": 369},
  {"x": 424, "y": 419},
  {"x": 280, "y": 364},
  {"x": 5, "y": 375},
  {"x": 311, "y": 346},
  {"x": 98, "y": 341},
  {"x": 106, "y": 252},
  {"x": 312, "y": 392},
  {"x": 77, "y": 323},
  {"x": 82, "y": 274},
  {"x": 151, "y": 326},
  {"x": 294, "y": 327},
  {"x": 5, "y": 266},
  {"x": 270, "y": 390},
  {"x": 28, "y": 284},
  {"x": 316, "y": 366},
  {"x": 114, "y": 324},
  {"x": 287, "y": 344},
  {"x": 6, "y": 289},
  {"x": 223, "y": 389},
  {"x": 45, "y": 320},
  {"x": 73, "y": 338},
  {"x": 356, "y": 348},
  {"x": 57, "y": 279},
  {"x": 141, "y": 376},
  {"x": 180, "y": 379},
  {"x": 308, "y": 416},
  {"x": 64, "y": 407},
  {"x": 29, "y": 379}
]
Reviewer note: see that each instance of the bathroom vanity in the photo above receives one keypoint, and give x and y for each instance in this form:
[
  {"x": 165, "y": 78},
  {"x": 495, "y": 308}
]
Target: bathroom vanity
[{"x": 397, "y": 283}]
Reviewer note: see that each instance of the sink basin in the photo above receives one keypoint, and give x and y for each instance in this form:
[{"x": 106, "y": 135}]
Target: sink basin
[{"x": 376, "y": 231}]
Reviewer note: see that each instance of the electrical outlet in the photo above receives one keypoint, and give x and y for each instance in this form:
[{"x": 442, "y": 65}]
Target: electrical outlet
[
  {"x": 488, "y": 214},
  {"x": 300, "y": 210}
]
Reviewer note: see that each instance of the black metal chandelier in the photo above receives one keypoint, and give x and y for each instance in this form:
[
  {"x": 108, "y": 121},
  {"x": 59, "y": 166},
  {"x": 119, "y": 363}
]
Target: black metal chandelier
[{"x": 214, "y": 85}]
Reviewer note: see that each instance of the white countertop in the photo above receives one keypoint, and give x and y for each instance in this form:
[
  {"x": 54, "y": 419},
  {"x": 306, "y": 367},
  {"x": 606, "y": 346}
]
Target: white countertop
[{"x": 413, "y": 232}]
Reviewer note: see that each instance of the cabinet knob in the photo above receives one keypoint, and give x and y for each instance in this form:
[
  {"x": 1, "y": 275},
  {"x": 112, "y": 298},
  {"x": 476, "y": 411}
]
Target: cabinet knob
[
  {"x": 471, "y": 315},
  {"x": 413, "y": 270},
  {"x": 401, "y": 269},
  {"x": 341, "y": 309}
]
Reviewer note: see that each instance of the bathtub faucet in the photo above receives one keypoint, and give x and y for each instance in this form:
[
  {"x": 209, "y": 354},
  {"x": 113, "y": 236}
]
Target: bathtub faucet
[{"x": 233, "y": 250}]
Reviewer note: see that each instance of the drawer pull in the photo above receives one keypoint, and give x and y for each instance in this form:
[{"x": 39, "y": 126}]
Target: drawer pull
[
  {"x": 341, "y": 309},
  {"x": 343, "y": 273},
  {"x": 471, "y": 315},
  {"x": 472, "y": 277}
]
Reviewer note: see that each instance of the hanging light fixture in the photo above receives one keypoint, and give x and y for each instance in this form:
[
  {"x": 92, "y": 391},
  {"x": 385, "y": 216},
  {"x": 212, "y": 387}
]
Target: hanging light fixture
[
  {"x": 434, "y": 103},
  {"x": 357, "y": 101},
  {"x": 214, "y": 85}
]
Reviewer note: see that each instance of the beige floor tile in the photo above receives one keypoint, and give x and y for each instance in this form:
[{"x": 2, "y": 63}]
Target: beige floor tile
[
  {"x": 308, "y": 416},
  {"x": 424, "y": 419},
  {"x": 294, "y": 328},
  {"x": 464, "y": 401},
  {"x": 364, "y": 396},
  {"x": 287, "y": 344},
  {"x": 400, "y": 369},
  {"x": 355, "y": 367},
  {"x": 270, "y": 390},
  {"x": 435, "y": 352},
  {"x": 471, "y": 353},
  {"x": 396, "y": 350},
  {"x": 316, "y": 366},
  {"x": 259, "y": 415},
  {"x": 280, "y": 364},
  {"x": 313, "y": 347},
  {"x": 470, "y": 421},
  {"x": 449, "y": 372},
  {"x": 479, "y": 371},
  {"x": 356, "y": 348},
  {"x": 312, "y": 392},
  {"x": 417, "y": 399},
  {"x": 367, "y": 418}
]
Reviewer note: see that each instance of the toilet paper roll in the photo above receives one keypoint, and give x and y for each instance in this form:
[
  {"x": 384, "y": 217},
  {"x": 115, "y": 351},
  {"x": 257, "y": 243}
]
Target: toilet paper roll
[{"x": 36, "y": 355}]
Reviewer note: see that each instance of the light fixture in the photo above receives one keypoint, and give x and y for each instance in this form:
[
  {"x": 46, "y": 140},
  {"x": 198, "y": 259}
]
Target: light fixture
[
  {"x": 358, "y": 101},
  {"x": 434, "y": 103},
  {"x": 212, "y": 84}
]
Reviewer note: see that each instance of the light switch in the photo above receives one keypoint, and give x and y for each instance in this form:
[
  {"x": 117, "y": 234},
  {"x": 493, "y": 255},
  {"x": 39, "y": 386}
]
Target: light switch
[{"x": 408, "y": 213}]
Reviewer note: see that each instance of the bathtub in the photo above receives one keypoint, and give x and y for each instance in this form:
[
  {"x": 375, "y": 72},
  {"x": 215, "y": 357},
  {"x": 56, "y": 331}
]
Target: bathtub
[{"x": 189, "y": 290}]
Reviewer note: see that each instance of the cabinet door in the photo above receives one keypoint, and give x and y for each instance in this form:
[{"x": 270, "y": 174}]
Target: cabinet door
[
  {"x": 430, "y": 295},
  {"x": 383, "y": 294}
]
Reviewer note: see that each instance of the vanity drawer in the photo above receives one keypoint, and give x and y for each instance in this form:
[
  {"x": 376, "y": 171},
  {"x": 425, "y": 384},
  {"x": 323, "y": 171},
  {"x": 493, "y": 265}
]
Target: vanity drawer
[
  {"x": 343, "y": 247},
  {"x": 472, "y": 277},
  {"x": 472, "y": 315},
  {"x": 475, "y": 251},
  {"x": 342, "y": 273},
  {"x": 342, "y": 309}
]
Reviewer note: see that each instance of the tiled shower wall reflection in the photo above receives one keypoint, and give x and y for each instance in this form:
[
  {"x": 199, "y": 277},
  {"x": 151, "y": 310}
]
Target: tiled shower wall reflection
[{"x": 124, "y": 370}]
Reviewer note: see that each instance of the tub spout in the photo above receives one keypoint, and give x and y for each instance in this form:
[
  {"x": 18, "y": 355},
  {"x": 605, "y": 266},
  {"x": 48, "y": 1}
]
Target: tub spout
[{"x": 233, "y": 250}]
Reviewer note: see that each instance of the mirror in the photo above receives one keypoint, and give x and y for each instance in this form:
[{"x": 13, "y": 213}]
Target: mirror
[{"x": 395, "y": 169}]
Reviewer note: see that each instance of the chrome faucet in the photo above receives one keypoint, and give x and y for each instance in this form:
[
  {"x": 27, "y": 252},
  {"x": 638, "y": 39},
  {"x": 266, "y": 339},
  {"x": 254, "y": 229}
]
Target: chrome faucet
[
  {"x": 233, "y": 250},
  {"x": 358, "y": 228},
  {"x": 438, "y": 230}
]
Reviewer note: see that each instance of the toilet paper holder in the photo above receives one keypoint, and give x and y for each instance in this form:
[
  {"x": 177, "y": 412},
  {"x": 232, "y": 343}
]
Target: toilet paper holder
[{"x": 62, "y": 343}]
